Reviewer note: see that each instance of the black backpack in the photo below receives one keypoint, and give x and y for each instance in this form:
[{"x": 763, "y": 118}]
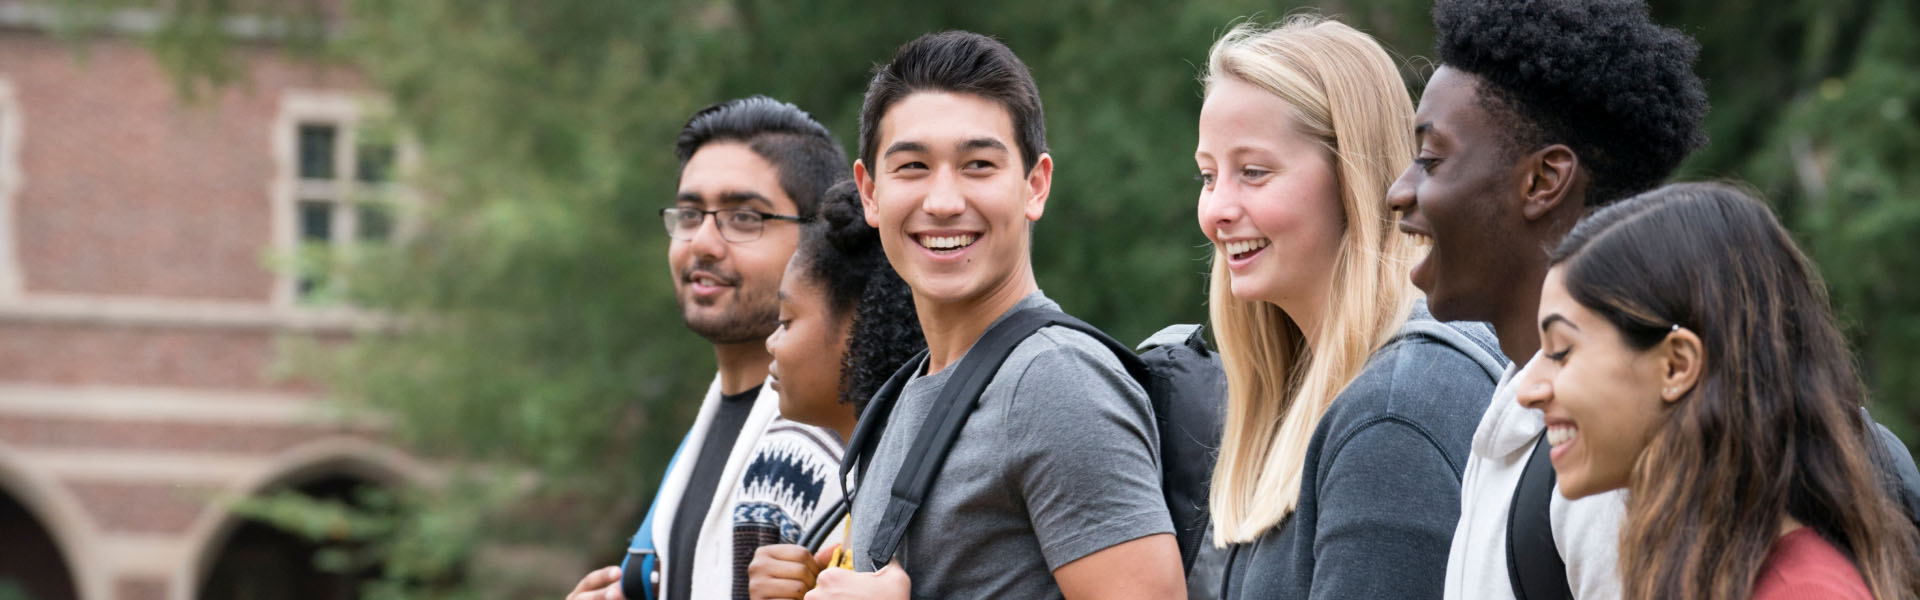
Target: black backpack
[
  {"x": 1534, "y": 566},
  {"x": 1182, "y": 378}
]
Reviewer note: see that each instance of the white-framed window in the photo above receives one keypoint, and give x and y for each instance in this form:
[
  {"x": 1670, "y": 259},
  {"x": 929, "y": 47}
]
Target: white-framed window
[{"x": 337, "y": 192}]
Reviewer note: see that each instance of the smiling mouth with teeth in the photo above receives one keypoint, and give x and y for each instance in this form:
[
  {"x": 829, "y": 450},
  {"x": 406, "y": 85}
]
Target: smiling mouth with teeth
[
  {"x": 1244, "y": 248},
  {"x": 1558, "y": 435},
  {"x": 947, "y": 243},
  {"x": 1421, "y": 239}
]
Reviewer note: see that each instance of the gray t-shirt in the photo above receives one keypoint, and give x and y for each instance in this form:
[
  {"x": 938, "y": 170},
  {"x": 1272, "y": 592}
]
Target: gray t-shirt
[{"x": 1060, "y": 459}]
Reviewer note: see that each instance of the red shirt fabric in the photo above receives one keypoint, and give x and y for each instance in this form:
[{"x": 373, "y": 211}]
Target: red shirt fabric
[{"x": 1802, "y": 565}]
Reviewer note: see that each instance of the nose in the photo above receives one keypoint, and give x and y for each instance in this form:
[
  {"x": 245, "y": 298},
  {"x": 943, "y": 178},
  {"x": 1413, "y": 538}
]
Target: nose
[
  {"x": 706, "y": 241},
  {"x": 1532, "y": 385},
  {"x": 944, "y": 198},
  {"x": 1400, "y": 196},
  {"x": 1219, "y": 208}
]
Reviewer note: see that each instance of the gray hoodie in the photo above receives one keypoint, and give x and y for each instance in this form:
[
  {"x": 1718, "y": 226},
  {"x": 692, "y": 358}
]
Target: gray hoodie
[{"x": 1381, "y": 494}]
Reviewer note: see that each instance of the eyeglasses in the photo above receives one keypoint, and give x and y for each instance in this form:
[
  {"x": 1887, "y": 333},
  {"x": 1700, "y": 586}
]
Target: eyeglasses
[{"x": 737, "y": 225}]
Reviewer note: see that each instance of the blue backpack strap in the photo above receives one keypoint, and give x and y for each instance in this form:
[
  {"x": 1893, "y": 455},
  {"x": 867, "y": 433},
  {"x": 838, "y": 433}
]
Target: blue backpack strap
[{"x": 647, "y": 586}]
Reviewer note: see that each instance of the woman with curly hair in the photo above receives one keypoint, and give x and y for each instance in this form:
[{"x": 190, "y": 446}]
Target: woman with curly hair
[
  {"x": 1690, "y": 356},
  {"x": 846, "y": 324}
]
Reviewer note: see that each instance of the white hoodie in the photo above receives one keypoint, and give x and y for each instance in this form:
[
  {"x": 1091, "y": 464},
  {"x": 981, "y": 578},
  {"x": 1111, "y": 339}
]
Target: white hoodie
[{"x": 1586, "y": 531}]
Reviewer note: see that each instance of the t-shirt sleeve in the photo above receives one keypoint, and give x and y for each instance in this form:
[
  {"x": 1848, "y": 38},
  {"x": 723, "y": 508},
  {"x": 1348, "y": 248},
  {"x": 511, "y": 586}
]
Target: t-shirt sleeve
[
  {"x": 1388, "y": 505},
  {"x": 1084, "y": 453}
]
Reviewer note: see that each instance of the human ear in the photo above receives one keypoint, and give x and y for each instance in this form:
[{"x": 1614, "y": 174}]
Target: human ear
[
  {"x": 1039, "y": 184},
  {"x": 1683, "y": 361},
  {"x": 1549, "y": 179},
  {"x": 868, "y": 206}
]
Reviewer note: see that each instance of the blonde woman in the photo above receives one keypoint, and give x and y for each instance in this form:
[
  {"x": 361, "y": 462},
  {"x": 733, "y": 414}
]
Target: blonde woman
[{"x": 1349, "y": 408}]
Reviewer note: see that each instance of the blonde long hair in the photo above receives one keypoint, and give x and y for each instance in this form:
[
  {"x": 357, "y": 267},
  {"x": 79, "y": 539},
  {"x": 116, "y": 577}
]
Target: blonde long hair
[{"x": 1344, "y": 91}]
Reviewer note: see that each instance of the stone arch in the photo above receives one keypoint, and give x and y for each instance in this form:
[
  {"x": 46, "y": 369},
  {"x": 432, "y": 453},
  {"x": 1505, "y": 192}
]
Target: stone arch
[
  {"x": 62, "y": 517},
  {"x": 342, "y": 456}
]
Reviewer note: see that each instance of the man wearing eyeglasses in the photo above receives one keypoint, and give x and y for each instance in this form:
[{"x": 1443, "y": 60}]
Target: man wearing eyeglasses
[{"x": 751, "y": 171}]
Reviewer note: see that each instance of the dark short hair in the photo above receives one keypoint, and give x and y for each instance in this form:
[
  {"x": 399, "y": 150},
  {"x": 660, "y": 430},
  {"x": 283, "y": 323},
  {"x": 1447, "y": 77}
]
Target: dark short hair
[
  {"x": 842, "y": 253},
  {"x": 960, "y": 62},
  {"x": 1597, "y": 75},
  {"x": 805, "y": 153}
]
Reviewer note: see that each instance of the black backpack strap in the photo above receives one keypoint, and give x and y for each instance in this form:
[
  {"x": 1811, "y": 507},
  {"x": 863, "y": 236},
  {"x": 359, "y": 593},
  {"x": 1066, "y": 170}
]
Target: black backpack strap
[
  {"x": 867, "y": 429},
  {"x": 1534, "y": 566},
  {"x": 1130, "y": 361},
  {"x": 816, "y": 535},
  {"x": 936, "y": 436},
  {"x": 1188, "y": 424},
  {"x": 1895, "y": 463}
]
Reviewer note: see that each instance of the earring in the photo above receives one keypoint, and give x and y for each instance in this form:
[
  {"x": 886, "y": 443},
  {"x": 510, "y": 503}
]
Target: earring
[{"x": 1671, "y": 391}]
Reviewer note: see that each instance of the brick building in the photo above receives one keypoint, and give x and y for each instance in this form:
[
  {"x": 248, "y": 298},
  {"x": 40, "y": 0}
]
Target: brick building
[{"x": 140, "y": 316}]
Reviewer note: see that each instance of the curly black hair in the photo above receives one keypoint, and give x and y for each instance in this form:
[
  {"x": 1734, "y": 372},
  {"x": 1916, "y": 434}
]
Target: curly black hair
[
  {"x": 1597, "y": 75},
  {"x": 842, "y": 253}
]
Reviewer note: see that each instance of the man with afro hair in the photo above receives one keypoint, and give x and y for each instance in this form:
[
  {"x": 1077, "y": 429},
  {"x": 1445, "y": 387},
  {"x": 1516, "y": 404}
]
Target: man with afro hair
[{"x": 1540, "y": 111}]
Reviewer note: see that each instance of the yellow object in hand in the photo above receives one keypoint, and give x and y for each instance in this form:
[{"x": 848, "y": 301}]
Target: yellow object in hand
[{"x": 841, "y": 557}]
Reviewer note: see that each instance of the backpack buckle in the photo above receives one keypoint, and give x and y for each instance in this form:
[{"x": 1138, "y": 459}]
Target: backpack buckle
[{"x": 649, "y": 562}]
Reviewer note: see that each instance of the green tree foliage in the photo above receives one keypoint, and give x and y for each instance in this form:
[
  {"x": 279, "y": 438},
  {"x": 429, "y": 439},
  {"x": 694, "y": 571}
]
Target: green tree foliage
[
  {"x": 535, "y": 336},
  {"x": 1832, "y": 136}
]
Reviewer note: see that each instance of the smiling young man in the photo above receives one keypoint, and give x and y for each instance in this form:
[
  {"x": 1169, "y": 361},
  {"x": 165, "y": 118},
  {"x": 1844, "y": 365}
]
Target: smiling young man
[
  {"x": 751, "y": 170},
  {"x": 1539, "y": 113},
  {"x": 1052, "y": 488}
]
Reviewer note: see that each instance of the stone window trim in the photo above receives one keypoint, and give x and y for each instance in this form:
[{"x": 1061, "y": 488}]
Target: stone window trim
[
  {"x": 344, "y": 112},
  {"x": 11, "y": 177}
]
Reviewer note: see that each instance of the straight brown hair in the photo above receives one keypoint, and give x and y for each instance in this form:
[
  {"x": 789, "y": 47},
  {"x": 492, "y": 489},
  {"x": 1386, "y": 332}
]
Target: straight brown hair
[{"x": 1773, "y": 429}]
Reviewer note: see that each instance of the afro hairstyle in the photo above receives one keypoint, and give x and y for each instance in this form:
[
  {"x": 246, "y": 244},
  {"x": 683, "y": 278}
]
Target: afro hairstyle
[{"x": 1596, "y": 75}]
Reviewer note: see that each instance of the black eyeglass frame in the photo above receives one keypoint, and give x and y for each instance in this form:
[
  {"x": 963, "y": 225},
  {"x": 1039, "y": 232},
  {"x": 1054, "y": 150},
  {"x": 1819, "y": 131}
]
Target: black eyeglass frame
[{"x": 725, "y": 232}]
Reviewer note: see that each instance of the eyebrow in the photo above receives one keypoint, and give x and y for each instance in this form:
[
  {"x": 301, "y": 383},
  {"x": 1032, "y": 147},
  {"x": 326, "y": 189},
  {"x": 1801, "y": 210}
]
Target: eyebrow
[
  {"x": 1421, "y": 130},
  {"x": 904, "y": 147},
  {"x": 744, "y": 197},
  {"x": 1556, "y": 318},
  {"x": 726, "y": 198},
  {"x": 983, "y": 144}
]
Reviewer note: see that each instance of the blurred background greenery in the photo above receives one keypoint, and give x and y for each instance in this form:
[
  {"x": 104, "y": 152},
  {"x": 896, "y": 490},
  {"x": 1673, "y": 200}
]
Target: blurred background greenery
[{"x": 542, "y": 356}]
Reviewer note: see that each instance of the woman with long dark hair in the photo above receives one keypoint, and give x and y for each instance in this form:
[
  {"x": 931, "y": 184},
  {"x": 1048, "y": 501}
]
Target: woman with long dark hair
[{"x": 1689, "y": 354}]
